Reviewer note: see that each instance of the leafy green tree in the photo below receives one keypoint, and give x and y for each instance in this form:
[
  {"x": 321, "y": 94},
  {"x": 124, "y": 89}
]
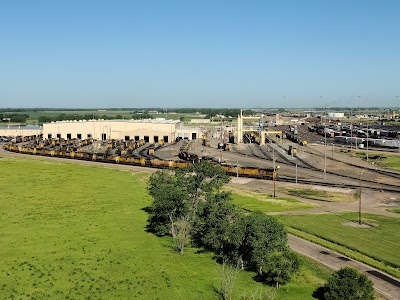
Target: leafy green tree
[
  {"x": 177, "y": 195},
  {"x": 348, "y": 284},
  {"x": 280, "y": 266},
  {"x": 169, "y": 202},
  {"x": 264, "y": 235},
  {"x": 214, "y": 217}
]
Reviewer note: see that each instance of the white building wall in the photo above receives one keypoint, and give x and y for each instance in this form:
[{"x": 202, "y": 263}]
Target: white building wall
[
  {"x": 113, "y": 129},
  {"x": 22, "y": 131}
]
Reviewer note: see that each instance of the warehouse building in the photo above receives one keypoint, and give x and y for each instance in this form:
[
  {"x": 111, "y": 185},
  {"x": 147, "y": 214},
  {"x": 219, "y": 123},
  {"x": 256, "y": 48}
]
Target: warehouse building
[
  {"x": 149, "y": 130},
  {"x": 20, "y": 130}
]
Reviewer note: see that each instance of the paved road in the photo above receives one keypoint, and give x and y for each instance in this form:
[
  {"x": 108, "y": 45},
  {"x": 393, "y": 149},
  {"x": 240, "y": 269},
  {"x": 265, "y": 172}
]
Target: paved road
[{"x": 384, "y": 284}]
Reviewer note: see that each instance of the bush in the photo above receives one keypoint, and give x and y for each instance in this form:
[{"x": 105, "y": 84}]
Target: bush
[{"x": 348, "y": 284}]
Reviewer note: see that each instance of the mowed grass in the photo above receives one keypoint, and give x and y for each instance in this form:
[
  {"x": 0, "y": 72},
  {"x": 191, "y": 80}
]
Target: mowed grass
[
  {"x": 322, "y": 195},
  {"x": 387, "y": 160},
  {"x": 380, "y": 242},
  {"x": 394, "y": 210},
  {"x": 78, "y": 232},
  {"x": 267, "y": 203}
]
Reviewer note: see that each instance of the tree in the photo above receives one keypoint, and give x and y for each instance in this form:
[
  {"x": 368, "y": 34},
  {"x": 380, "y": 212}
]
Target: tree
[
  {"x": 348, "y": 284},
  {"x": 177, "y": 196},
  {"x": 280, "y": 266},
  {"x": 227, "y": 275},
  {"x": 181, "y": 232},
  {"x": 264, "y": 234},
  {"x": 214, "y": 216},
  {"x": 169, "y": 203}
]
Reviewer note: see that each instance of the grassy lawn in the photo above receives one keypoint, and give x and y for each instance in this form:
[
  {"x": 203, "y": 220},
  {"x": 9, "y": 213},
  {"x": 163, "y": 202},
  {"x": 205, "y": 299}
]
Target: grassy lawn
[
  {"x": 380, "y": 242},
  {"x": 267, "y": 203},
  {"x": 322, "y": 195},
  {"x": 390, "y": 161},
  {"x": 70, "y": 231},
  {"x": 395, "y": 210}
]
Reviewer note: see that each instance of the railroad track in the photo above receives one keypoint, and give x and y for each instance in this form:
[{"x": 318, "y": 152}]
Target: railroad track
[
  {"x": 383, "y": 172},
  {"x": 310, "y": 166},
  {"x": 340, "y": 185}
]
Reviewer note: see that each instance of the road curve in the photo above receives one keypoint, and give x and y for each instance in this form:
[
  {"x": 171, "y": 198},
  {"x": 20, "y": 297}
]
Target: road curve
[{"x": 384, "y": 284}]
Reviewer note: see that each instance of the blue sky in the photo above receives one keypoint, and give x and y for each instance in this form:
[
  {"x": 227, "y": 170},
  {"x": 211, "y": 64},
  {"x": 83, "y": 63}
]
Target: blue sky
[{"x": 199, "y": 53}]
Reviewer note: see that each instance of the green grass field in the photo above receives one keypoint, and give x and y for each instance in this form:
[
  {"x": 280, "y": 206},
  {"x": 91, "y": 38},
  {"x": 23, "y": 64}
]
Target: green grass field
[
  {"x": 380, "y": 242},
  {"x": 266, "y": 203},
  {"x": 70, "y": 231},
  {"x": 395, "y": 210},
  {"x": 322, "y": 195},
  {"x": 390, "y": 161}
]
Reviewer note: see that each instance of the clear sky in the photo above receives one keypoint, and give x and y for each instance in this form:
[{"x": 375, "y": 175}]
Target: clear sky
[{"x": 82, "y": 53}]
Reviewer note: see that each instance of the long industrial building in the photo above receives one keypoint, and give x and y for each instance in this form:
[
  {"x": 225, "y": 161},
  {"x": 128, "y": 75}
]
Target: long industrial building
[{"x": 149, "y": 130}]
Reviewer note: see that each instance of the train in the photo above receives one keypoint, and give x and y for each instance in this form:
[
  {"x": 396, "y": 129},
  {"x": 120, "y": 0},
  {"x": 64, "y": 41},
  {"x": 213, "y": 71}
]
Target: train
[
  {"x": 186, "y": 157},
  {"x": 296, "y": 139}
]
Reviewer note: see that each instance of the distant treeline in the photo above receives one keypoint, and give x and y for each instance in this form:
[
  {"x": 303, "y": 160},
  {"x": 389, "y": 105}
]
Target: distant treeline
[
  {"x": 205, "y": 111},
  {"x": 64, "y": 117},
  {"x": 14, "y": 118}
]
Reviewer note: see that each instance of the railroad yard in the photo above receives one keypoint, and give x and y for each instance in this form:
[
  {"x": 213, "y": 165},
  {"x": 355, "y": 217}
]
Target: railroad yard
[
  {"x": 315, "y": 164},
  {"x": 325, "y": 176}
]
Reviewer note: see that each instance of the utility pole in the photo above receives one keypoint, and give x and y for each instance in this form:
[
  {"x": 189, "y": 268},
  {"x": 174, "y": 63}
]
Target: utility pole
[
  {"x": 367, "y": 141},
  {"x": 325, "y": 151},
  {"x": 359, "y": 200},
  {"x": 284, "y": 103},
  {"x": 351, "y": 128},
  {"x": 296, "y": 173},
  {"x": 274, "y": 177}
]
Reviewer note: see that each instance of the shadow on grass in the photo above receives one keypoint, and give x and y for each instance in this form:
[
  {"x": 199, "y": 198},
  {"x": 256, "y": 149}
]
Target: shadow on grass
[{"x": 319, "y": 293}]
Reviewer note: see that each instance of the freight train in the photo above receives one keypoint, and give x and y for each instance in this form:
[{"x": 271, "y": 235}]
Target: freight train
[{"x": 73, "y": 152}]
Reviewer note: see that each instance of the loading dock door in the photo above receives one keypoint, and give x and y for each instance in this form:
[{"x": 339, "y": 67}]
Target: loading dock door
[
  {"x": 156, "y": 139},
  {"x": 165, "y": 138},
  {"x": 103, "y": 136},
  {"x": 194, "y": 135}
]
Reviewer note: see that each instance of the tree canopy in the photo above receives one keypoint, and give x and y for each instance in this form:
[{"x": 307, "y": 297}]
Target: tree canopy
[
  {"x": 190, "y": 206},
  {"x": 348, "y": 284}
]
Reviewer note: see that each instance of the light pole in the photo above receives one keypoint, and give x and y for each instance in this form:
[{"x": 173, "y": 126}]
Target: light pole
[
  {"x": 351, "y": 128},
  {"x": 359, "y": 106},
  {"x": 284, "y": 103},
  {"x": 296, "y": 173},
  {"x": 359, "y": 200},
  {"x": 325, "y": 150},
  {"x": 367, "y": 141},
  {"x": 275, "y": 168}
]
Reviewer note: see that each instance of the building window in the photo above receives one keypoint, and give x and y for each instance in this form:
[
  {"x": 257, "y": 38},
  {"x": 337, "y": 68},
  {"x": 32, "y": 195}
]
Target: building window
[
  {"x": 89, "y": 135},
  {"x": 49, "y": 136},
  {"x": 156, "y": 139},
  {"x": 137, "y": 138},
  {"x": 79, "y": 136},
  {"x": 59, "y": 135},
  {"x": 69, "y": 136},
  {"x": 146, "y": 139},
  {"x": 194, "y": 135},
  {"x": 165, "y": 138},
  {"x": 127, "y": 138},
  {"x": 103, "y": 136}
]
